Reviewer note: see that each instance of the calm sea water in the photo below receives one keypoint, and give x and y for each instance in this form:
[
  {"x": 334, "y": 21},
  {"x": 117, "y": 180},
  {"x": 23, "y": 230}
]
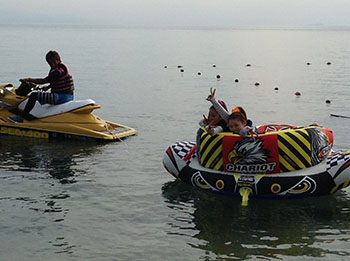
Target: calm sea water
[{"x": 67, "y": 200}]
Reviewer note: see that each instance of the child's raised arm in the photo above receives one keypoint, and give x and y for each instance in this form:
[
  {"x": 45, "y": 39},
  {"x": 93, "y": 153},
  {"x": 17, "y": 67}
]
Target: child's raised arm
[{"x": 217, "y": 106}]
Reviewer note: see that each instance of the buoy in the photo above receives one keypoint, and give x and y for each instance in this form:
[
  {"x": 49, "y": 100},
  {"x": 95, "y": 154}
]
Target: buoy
[
  {"x": 328, "y": 101},
  {"x": 276, "y": 88},
  {"x": 308, "y": 63},
  {"x": 214, "y": 65},
  {"x": 165, "y": 66},
  {"x": 297, "y": 93},
  {"x": 179, "y": 66},
  {"x": 218, "y": 76},
  {"x": 236, "y": 80},
  {"x": 199, "y": 73},
  {"x": 329, "y": 63},
  {"x": 182, "y": 70},
  {"x": 256, "y": 84},
  {"x": 248, "y": 65}
]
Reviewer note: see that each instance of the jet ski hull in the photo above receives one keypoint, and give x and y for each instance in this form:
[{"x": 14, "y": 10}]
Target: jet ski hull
[{"x": 75, "y": 123}]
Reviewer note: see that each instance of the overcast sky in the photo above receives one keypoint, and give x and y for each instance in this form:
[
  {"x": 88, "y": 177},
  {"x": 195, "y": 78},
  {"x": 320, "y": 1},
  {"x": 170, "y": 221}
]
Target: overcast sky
[{"x": 204, "y": 13}]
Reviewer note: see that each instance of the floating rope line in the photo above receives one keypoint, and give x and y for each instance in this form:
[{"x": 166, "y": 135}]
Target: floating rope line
[{"x": 340, "y": 116}]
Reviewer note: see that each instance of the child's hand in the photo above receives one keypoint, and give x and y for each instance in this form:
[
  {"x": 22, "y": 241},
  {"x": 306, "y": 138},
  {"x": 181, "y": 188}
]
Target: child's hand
[
  {"x": 251, "y": 132},
  {"x": 212, "y": 94},
  {"x": 248, "y": 132},
  {"x": 210, "y": 129}
]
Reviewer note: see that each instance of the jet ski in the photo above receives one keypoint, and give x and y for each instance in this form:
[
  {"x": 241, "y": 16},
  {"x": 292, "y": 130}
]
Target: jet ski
[{"x": 72, "y": 119}]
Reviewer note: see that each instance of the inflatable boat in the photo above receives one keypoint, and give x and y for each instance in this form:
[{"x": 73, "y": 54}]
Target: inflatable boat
[{"x": 284, "y": 161}]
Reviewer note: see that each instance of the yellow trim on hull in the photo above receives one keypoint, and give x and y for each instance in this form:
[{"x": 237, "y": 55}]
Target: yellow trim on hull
[{"x": 70, "y": 123}]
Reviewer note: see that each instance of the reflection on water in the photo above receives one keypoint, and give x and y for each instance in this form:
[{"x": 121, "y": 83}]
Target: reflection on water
[
  {"x": 311, "y": 227},
  {"x": 36, "y": 185},
  {"x": 57, "y": 158}
]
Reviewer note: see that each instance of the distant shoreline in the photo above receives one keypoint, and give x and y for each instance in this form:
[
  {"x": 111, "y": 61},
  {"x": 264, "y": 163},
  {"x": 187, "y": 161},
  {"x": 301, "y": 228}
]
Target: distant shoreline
[{"x": 221, "y": 28}]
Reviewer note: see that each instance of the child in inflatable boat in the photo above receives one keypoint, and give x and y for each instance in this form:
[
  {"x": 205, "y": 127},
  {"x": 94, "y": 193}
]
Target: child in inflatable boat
[
  {"x": 214, "y": 123},
  {"x": 237, "y": 121},
  {"x": 239, "y": 124}
]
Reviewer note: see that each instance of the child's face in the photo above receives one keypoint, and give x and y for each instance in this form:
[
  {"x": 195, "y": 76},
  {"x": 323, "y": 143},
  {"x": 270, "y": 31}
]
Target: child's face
[
  {"x": 213, "y": 116},
  {"x": 235, "y": 125}
]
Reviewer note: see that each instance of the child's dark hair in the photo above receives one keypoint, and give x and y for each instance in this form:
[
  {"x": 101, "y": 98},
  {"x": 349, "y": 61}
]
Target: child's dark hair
[
  {"x": 52, "y": 55},
  {"x": 238, "y": 113}
]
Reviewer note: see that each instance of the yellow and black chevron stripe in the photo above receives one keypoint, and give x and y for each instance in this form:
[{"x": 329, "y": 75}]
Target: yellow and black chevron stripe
[
  {"x": 210, "y": 150},
  {"x": 294, "y": 149}
]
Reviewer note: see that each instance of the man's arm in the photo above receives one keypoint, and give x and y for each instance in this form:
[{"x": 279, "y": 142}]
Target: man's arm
[{"x": 36, "y": 80}]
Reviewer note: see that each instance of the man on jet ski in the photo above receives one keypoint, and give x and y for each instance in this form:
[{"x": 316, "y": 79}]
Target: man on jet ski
[{"x": 61, "y": 85}]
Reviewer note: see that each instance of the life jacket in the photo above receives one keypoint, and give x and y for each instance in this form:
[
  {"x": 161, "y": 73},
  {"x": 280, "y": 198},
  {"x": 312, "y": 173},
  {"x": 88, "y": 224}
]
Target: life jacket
[{"x": 64, "y": 84}]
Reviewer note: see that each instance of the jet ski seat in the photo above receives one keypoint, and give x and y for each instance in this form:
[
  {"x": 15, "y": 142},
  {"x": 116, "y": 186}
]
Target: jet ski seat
[{"x": 46, "y": 110}]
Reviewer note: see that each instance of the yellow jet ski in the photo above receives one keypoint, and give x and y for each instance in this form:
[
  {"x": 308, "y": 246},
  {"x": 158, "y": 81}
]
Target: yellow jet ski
[{"x": 72, "y": 119}]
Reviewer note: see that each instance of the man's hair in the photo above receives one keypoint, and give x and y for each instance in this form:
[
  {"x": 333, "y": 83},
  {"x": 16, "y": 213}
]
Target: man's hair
[{"x": 52, "y": 55}]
